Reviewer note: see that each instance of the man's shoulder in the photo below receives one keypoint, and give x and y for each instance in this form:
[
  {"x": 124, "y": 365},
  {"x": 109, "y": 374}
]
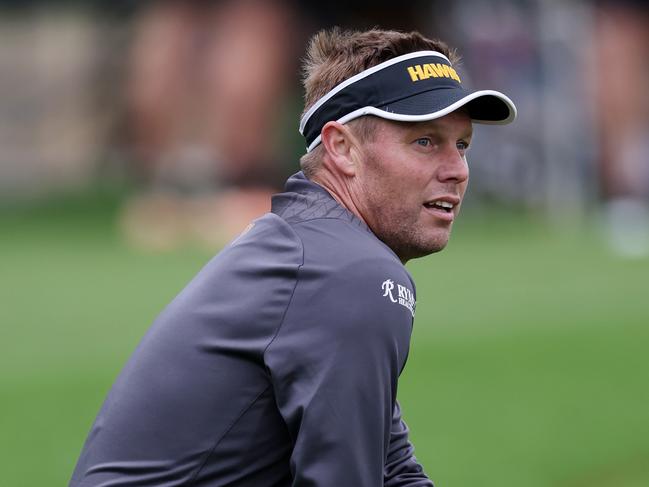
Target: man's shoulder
[
  {"x": 349, "y": 265},
  {"x": 266, "y": 249},
  {"x": 329, "y": 254},
  {"x": 268, "y": 233},
  {"x": 332, "y": 248},
  {"x": 344, "y": 244}
]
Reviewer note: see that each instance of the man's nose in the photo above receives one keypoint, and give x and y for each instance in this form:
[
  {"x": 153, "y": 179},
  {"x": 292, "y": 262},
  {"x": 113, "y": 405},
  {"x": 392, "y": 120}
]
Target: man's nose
[{"x": 454, "y": 167}]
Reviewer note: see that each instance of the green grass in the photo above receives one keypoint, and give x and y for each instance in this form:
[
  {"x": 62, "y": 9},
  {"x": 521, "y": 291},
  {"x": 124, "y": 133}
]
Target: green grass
[{"x": 528, "y": 365}]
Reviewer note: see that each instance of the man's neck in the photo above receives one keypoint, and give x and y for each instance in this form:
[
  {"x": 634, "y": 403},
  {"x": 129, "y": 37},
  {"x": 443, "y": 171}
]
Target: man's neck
[{"x": 338, "y": 191}]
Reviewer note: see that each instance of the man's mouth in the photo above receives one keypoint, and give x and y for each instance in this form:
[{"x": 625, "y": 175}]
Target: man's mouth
[
  {"x": 442, "y": 205},
  {"x": 443, "y": 208}
]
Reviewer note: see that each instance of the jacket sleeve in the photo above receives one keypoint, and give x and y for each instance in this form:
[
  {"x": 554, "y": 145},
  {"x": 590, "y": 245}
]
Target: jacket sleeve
[
  {"x": 401, "y": 467},
  {"x": 334, "y": 365}
]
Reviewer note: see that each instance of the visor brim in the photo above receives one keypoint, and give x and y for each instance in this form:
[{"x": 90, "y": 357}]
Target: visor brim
[{"x": 484, "y": 106}]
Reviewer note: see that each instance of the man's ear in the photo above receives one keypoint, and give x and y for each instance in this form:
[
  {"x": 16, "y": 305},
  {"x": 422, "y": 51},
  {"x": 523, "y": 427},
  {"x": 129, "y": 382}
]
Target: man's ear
[{"x": 341, "y": 147}]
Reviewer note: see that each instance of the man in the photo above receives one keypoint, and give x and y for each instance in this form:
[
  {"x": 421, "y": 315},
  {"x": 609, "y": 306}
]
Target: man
[{"x": 278, "y": 364}]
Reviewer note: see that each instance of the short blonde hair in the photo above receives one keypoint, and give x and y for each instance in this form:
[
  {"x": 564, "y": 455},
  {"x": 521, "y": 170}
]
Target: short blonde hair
[{"x": 335, "y": 55}]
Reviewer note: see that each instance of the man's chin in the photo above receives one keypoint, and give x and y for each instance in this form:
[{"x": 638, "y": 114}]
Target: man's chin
[
  {"x": 413, "y": 245},
  {"x": 432, "y": 249},
  {"x": 436, "y": 242},
  {"x": 421, "y": 250}
]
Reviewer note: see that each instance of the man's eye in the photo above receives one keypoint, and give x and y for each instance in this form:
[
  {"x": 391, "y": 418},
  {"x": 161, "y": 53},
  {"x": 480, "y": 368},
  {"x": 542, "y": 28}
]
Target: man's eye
[
  {"x": 424, "y": 142},
  {"x": 462, "y": 145}
]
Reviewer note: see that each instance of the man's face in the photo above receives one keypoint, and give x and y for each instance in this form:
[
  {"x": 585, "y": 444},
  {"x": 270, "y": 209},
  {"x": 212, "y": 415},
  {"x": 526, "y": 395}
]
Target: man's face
[{"x": 411, "y": 181}]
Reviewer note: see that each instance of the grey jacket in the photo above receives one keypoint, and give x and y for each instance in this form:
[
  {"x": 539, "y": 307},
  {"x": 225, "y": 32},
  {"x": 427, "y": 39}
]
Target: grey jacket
[{"x": 276, "y": 366}]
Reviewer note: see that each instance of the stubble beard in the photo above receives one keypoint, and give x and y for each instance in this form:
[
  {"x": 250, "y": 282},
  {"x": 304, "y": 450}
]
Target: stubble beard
[
  {"x": 401, "y": 230},
  {"x": 398, "y": 225}
]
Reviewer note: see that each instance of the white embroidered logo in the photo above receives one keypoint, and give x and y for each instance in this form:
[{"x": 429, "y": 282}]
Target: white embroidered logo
[
  {"x": 388, "y": 286},
  {"x": 406, "y": 297}
]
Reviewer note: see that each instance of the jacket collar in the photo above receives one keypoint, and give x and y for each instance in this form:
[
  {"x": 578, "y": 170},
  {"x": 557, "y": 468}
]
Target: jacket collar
[{"x": 303, "y": 200}]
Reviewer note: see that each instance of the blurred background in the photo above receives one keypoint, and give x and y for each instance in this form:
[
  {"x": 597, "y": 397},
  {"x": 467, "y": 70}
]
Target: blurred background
[{"x": 137, "y": 138}]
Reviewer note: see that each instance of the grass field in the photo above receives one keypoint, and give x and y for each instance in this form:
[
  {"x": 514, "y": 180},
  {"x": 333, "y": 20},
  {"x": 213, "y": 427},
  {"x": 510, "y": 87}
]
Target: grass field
[{"x": 529, "y": 364}]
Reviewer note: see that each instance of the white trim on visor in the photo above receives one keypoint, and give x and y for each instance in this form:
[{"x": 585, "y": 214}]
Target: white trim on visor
[
  {"x": 360, "y": 76},
  {"x": 370, "y": 110}
]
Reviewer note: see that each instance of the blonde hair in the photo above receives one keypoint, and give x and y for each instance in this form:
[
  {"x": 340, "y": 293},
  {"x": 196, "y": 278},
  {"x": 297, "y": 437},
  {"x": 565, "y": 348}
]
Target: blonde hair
[{"x": 336, "y": 55}]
